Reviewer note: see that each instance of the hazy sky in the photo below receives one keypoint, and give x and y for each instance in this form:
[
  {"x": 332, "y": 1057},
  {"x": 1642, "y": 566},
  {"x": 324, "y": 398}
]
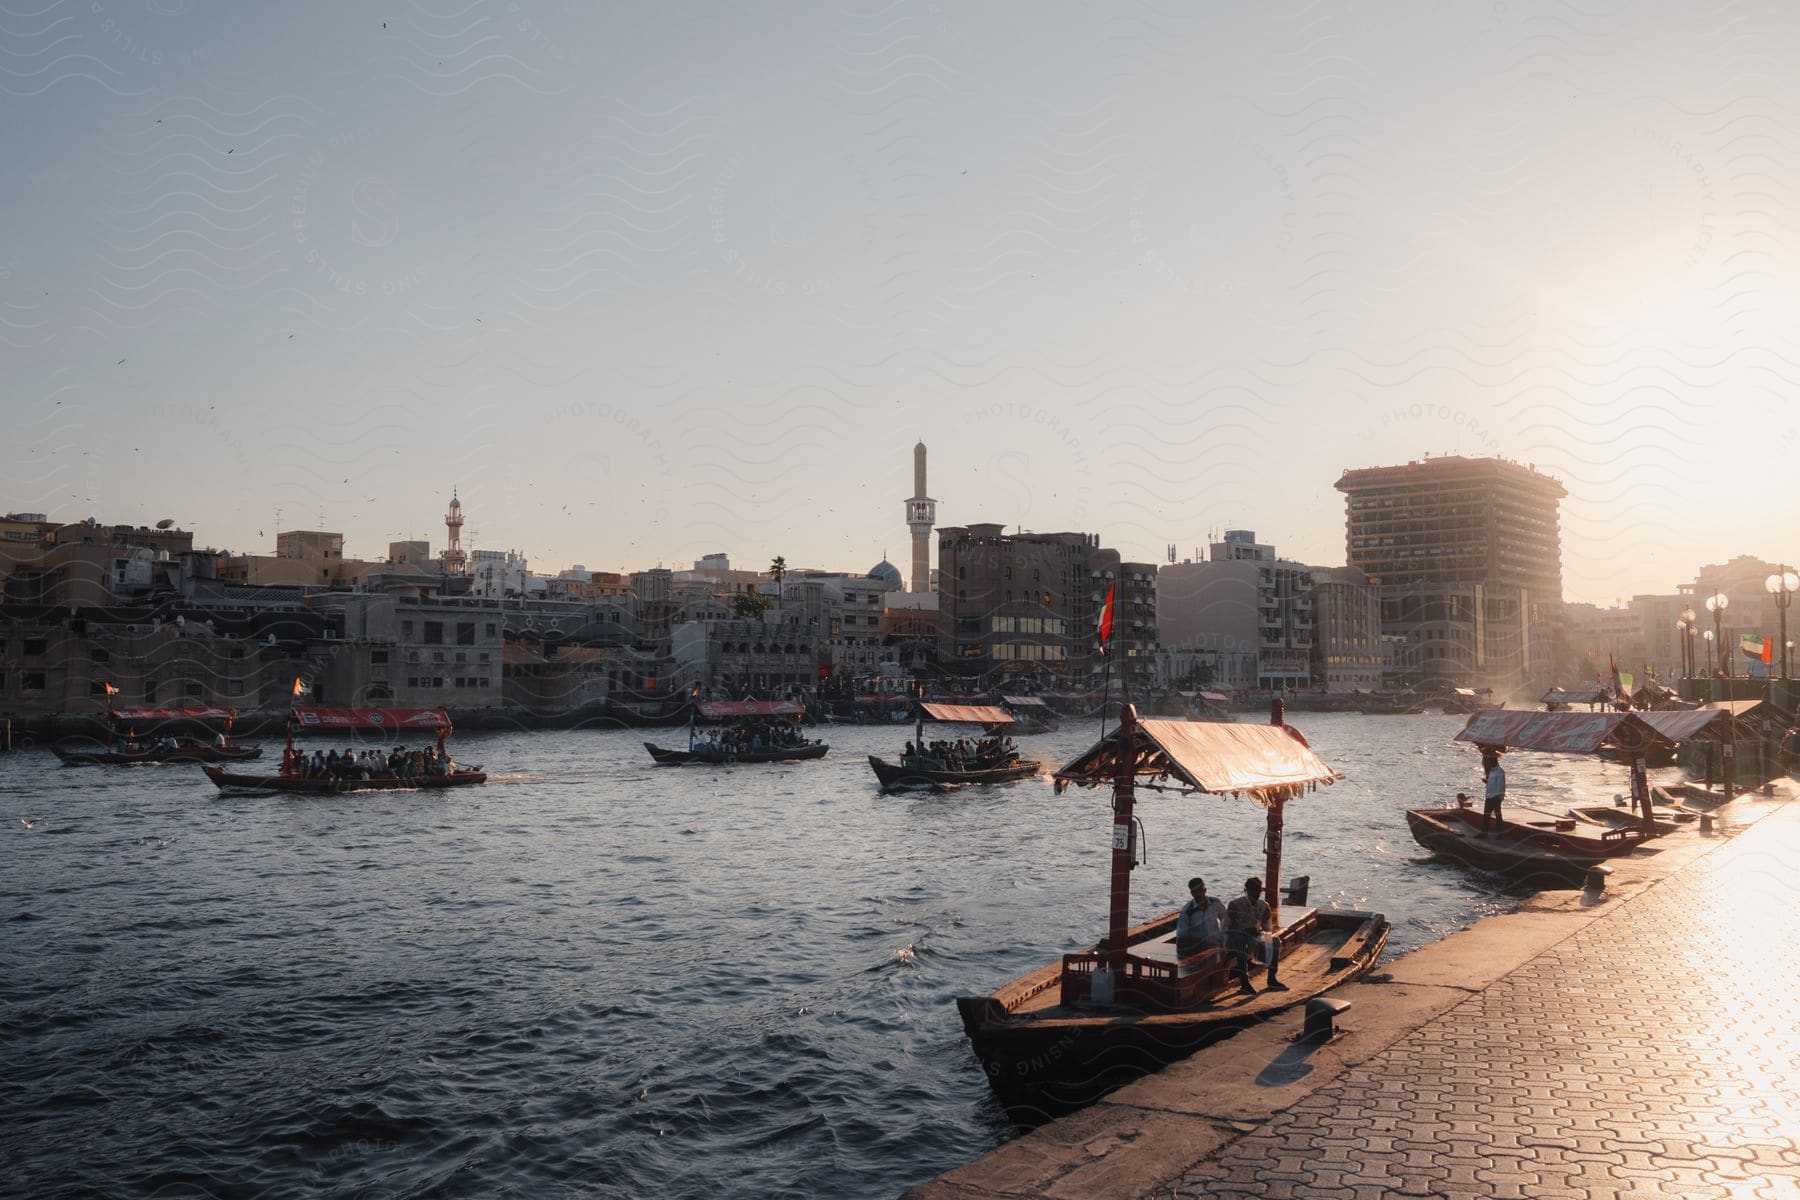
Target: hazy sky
[{"x": 648, "y": 281}]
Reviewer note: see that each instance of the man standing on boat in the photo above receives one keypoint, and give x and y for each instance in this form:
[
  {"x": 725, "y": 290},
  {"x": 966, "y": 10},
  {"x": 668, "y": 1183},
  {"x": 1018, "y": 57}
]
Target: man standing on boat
[
  {"x": 1247, "y": 919},
  {"x": 1201, "y": 925},
  {"x": 1496, "y": 792}
]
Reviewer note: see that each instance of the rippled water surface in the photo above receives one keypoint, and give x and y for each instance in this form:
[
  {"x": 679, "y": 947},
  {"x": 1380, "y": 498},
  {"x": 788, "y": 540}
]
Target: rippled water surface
[{"x": 593, "y": 976}]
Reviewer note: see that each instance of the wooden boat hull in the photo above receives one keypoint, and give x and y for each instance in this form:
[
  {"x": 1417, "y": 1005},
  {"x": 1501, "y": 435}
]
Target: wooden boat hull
[
  {"x": 1538, "y": 857},
  {"x": 181, "y": 754},
  {"x": 229, "y": 781},
  {"x": 1046, "y": 1053},
  {"x": 895, "y": 775},
  {"x": 676, "y": 758}
]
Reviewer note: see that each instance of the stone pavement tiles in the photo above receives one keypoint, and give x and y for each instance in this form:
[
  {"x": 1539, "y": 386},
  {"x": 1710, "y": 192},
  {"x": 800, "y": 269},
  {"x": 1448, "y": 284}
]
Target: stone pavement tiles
[{"x": 1654, "y": 1053}]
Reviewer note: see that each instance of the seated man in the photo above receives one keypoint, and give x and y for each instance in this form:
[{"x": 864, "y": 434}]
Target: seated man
[
  {"x": 1247, "y": 919},
  {"x": 1201, "y": 925}
]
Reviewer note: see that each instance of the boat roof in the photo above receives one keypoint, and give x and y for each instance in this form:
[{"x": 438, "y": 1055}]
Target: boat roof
[
  {"x": 973, "y": 714},
  {"x": 1585, "y": 696},
  {"x": 1025, "y": 701},
  {"x": 1745, "y": 708},
  {"x": 1265, "y": 761},
  {"x": 1680, "y": 725},
  {"x": 371, "y": 718},
  {"x": 714, "y": 710},
  {"x": 173, "y": 714}
]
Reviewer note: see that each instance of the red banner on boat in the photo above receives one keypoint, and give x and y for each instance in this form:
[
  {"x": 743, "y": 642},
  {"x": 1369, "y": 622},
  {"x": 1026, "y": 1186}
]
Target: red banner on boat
[
  {"x": 173, "y": 714},
  {"x": 719, "y": 710},
  {"x": 371, "y": 718}
]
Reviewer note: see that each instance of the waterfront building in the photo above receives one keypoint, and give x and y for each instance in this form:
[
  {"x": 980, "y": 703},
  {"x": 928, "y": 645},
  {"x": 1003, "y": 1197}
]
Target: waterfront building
[
  {"x": 1025, "y": 605},
  {"x": 1467, "y": 554},
  {"x": 1245, "y": 615},
  {"x": 847, "y": 612},
  {"x": 1347, "y": 652},
  {"x": 1594, "y": 638},
  {"x": 735, "y": 657}
]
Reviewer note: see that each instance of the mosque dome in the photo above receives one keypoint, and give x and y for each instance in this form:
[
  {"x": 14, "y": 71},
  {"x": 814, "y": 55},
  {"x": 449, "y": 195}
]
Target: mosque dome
[{"x": 887, "y": 572}]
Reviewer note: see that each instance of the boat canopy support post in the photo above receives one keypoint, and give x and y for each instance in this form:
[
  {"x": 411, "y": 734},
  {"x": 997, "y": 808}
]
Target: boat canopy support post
[
  {"x": 1272, "y": 836},
  {"x": 1118, "y": 923}
]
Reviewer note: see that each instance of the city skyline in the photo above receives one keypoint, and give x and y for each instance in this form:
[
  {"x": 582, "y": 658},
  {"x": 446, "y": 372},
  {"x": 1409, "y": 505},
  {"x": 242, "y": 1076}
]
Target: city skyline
[{"x": 650, "y": 284}]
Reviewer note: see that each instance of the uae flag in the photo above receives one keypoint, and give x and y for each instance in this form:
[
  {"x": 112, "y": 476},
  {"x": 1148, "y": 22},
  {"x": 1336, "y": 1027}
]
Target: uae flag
[
  {"x": 1755, "y": 646},
  {"x": 1106, "y": 612}
]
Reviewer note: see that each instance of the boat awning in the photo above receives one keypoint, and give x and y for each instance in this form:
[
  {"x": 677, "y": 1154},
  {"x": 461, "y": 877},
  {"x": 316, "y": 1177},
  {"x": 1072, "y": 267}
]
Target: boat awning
[
  {"x": 1025, "y": 701},
  {"x": 371, "y": 718},
  {"x": 1471, "y": 692},
  {"x": 1216, "y": 697},
  {"x": 1265, "y": 761},
  {"x": 718, "y": 710},
  {"x": 971, "y": 714},
  {"x": 1680, "y": 726},
  {"x": 1747, "y": 708},
  {"x": 1558, "y": 733},
  {"x": 173, "y": 714},
  {"x": 1589, "y": 696}
]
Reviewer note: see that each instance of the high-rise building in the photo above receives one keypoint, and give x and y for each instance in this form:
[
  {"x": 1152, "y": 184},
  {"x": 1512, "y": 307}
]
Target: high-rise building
[
  {"x": 1244, "y": 617},
  {"x": 1467, "y": 553}
]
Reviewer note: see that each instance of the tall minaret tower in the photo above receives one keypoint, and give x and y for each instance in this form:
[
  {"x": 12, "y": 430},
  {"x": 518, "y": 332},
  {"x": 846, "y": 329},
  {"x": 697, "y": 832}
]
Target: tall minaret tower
[
  {"x": 454, "y": 558},
  {"x": 921, "y": 515}
]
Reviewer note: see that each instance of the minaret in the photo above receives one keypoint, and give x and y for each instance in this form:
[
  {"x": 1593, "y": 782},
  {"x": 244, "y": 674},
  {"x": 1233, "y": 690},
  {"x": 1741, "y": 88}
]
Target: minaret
[
  {"x": 454, "y": 558},
  {"x": 921, "y": 515}
]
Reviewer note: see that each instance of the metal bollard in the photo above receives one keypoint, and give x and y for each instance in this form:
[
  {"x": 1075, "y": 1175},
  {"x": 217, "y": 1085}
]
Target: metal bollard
[
  {"x": 1596, "y": 880},
  {"x": 1295, "y": 891},
  {"x": 1321, "y": 1013},
  {"x": 1706, "y": 822}
]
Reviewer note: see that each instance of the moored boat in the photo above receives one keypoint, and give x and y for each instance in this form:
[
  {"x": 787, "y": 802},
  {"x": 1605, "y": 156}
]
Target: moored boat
[
  {"x": 1030, "y": 716},
  {"x": 1070, "y": 1031},
  {"x": 1540, "y": 857}
]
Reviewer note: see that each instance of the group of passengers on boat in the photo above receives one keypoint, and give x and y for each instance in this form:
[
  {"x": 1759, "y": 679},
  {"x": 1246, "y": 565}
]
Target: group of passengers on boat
[
  {"x": 398, "y": 763},
  {"x": 964, "y": 754},
  {"x": 751, "y": 735}
]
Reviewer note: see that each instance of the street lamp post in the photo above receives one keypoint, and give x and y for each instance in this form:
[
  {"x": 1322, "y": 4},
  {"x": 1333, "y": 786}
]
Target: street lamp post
[
  {"x": 1684, "y": 649},
  {"x": 1693, "y": 623},
  {"x": 1716, "y": 604},
  {"x": 1708, "y": 636},
  {"x": 1783, "y": 584}
]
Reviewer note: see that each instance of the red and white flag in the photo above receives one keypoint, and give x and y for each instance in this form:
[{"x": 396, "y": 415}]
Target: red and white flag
[
  {"x": 1106, "y": 613},
  {"x": 300, "y": 689}
]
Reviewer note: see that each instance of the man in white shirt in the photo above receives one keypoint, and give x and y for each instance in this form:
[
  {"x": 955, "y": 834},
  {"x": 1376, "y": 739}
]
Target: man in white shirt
[
  {"x": 1496, "y": 792},
  {"x": 1202, "y": 921}
]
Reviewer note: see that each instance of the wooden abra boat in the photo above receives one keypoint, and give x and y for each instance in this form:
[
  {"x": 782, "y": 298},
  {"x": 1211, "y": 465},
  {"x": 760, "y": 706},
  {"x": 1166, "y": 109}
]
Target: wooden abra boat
[
  {"x": 1558, "y": 856},
  {"x": 1561, "y": 853},
  {"x": 179, "y": 750},
  {"x": 127, "y": 749},
  {"x": 294, "y": 775},
  {"x": 329, "y": 784},
  {"x": 1071, "y": 1031},
  {"x": 750, "y": 738},
  {"x": 919, "y": 768},
  {"x": 712, "y": 757}
]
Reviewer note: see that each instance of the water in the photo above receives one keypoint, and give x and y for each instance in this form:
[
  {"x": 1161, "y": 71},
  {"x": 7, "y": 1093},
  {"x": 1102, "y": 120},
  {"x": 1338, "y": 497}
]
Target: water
[{"x": 597, "y": 977}]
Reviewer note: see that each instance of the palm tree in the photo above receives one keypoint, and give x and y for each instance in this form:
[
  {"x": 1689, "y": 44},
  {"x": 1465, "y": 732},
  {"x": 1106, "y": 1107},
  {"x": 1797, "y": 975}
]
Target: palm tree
[{"x": 778, "y": 568}]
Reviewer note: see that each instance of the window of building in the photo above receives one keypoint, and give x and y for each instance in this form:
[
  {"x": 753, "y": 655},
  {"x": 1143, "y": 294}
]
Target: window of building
[
  {"x": 378, "y": 657},
  {"x": 31, "y": 681},
  {"x": 491, "y": 632},
  {"x": 406, "y": 629},
  {"x": 380, "y": 692},
  {"x": 96, "y": 687},
  {"x": 36, "y": 646},
  {"x": 465, "y": 633},
  {"x": 434, "y": 633},
  {"x": 98, "y": 655}
]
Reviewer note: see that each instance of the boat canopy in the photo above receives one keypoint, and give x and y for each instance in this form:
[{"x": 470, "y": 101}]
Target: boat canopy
[
  {"x": 1747, "y": 708},
  {"x": 173, "y": 714},
  {"x": 1474, "y": 691},
  {"x": 1025, "y": 701},
  {"x": 1683, "y": 725},
  {"x": 1268, "y": 762},
  {"x": 971, "y": 714},
  {"x": 718, "y": 710},
  {"x": 1559, "y": 732},
  {"x": 1586, "y": 696},
  {"x": 371, "y": 718}
]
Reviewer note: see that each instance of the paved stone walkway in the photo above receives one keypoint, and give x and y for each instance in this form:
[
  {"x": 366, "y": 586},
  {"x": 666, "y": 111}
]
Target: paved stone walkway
[{"x": 1656, "y": 1052}]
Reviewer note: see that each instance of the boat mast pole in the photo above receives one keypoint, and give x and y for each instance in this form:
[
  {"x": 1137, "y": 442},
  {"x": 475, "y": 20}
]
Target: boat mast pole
[
  {"x": 1118, "y": 923},
  {"x": 1272, "y": 836}
]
